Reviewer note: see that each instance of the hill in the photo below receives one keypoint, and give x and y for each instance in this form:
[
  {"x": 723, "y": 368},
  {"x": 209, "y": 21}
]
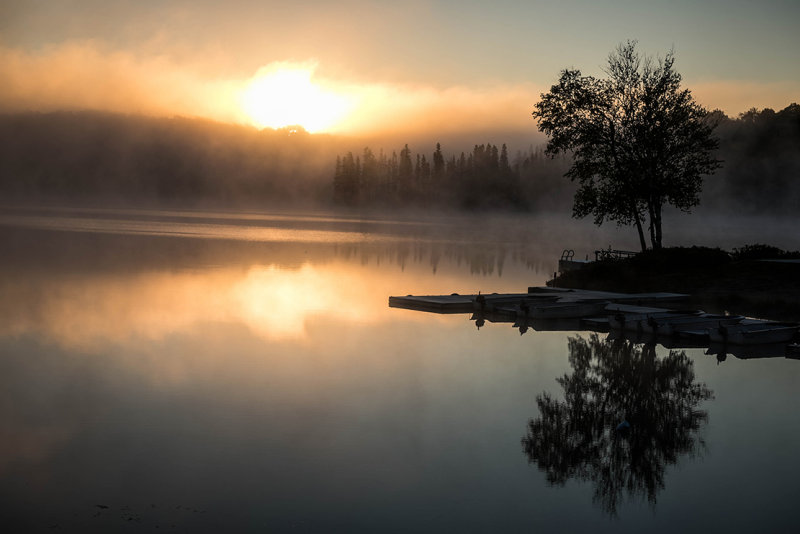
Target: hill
[{"x": 93, "y": 155}]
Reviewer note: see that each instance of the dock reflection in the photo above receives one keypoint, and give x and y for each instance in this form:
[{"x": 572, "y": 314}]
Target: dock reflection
[
  {"x": 627, "y": 415},
  {"x": 719, "y": 350},
  {"x": 629, "y": 410}
]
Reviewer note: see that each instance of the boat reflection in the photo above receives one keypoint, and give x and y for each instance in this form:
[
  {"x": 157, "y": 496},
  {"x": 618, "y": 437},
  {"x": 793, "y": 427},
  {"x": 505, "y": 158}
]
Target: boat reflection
[
  {"x": 575, "y": 324},
  {"x": 751, "y": 352},
  {"x": 626, "y": 416}
]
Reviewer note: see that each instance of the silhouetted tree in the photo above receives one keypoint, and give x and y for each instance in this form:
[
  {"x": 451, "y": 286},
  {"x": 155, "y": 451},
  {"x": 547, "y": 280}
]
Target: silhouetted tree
[
  {"x": 438, "y": 163},
  {"x": 637, "y": 139},
  {"x": 346, "y": 179},
  {"x": 482, "y": 179},
  {"x": 504, "y": 166},
  {"x": 405, "y": 172},
  {"x": 626, "y": 416},
  {"x": 425, "y": 169},
  {"x": 368, "y": 181}
]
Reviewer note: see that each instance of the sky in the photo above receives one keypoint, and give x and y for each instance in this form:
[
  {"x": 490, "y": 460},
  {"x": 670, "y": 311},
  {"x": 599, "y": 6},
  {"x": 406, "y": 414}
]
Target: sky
[{"x": 365, "y": 67}]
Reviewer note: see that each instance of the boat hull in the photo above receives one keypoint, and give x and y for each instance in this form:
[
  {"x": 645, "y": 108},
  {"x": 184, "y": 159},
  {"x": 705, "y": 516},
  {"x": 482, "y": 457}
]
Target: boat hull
[
  {"x": 753, "y": 334},
  {"x": 673, "y": 326}
]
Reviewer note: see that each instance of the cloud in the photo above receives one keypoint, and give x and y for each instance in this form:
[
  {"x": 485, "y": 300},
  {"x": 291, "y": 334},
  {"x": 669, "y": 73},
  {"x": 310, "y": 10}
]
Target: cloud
[
  {"x": 84, "y": 75},
  {"x": 87, "y": 75},
  {"x": 382, "y": 108},
  {"x": 81, "y": 75}
]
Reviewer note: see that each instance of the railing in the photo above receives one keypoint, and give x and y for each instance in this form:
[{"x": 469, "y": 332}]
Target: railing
[
  {"x": 611, "y": 254},
  {"x": 567, "y": 255}
]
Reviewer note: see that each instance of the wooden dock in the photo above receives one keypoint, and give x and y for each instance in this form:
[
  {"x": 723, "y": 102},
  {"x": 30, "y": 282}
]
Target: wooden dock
[
  {"x": 456, "y": 303},
  {"x": 622, "y": 314}
]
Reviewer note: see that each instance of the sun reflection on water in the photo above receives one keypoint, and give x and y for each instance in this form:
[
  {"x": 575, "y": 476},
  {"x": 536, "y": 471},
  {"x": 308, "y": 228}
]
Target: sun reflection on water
[{"x": 272, "y": 302}]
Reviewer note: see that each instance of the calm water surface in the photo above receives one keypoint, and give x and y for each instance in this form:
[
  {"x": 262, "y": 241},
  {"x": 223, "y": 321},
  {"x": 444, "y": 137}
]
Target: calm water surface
[{"x": 211, "y": 372}]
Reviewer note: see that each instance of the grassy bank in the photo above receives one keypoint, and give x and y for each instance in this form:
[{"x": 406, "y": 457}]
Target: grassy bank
[{"x": 745, "y": 281}]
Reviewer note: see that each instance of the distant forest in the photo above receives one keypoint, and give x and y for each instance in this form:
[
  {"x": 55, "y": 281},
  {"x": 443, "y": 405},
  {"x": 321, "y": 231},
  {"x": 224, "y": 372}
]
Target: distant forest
[
  {"x": 485, "y": 178},
  {"x": 759, "y": 150},
  {"x": 95, "y": 156},
  {"x": 760, "y": 153},
  {"x": 104, "y": 157}
]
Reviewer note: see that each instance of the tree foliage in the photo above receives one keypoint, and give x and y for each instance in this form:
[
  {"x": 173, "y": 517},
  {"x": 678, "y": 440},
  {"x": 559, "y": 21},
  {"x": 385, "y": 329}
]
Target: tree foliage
[{"x": 637, "y": 139}]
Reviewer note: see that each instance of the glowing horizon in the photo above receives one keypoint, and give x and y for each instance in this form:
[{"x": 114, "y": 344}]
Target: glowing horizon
[
  {"x": 285, "y": 94},
  {"x": 376, "y": 68}
]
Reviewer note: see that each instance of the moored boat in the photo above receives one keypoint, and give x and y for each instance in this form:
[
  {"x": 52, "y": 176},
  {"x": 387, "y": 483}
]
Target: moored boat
[
  {"x": 562, "y": 309},
  {"x": 750, "y": 332},
  {"x": 636, "y": 320},
  {"x": 672, "y": 325},
  {"x": 495, "y": 301},
  {"x": 748, "y": 352},
  {"x": 596, "y": 323}
]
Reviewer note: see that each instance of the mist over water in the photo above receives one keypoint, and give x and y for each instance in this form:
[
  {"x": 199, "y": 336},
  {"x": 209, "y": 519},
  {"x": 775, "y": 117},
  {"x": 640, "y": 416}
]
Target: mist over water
[
  {"x": 544, "y": 235},
  {"x": 727, "y": 231},
  {"x": 205, "y": 207},
  {"x": 241, "y": 371}
]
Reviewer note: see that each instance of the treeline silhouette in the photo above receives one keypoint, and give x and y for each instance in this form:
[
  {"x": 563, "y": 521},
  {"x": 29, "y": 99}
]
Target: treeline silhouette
[
  {"x": 485, "y": 178},
  {"x": 95, "y": 155},
  {"x": 81, "y": 155},
  {"x": 760, "y": 150}
]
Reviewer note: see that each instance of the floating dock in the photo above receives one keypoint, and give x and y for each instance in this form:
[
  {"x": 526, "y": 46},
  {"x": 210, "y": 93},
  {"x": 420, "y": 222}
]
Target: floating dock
[
  {"x": 455, "y": 303},
  {"x": 624, "y": 315}
]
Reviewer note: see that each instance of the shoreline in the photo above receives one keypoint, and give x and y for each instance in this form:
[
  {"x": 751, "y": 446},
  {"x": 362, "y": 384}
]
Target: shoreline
[{"x": 717, "y": 283}]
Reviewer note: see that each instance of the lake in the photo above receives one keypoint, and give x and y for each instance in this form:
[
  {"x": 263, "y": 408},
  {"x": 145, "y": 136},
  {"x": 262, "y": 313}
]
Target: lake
[{"x": 202, "y": 371}]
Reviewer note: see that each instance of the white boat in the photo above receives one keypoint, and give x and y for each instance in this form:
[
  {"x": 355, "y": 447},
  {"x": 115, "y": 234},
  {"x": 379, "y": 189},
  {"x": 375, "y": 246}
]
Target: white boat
[
  {"x": 672, "y": 325},
  {"x": 555, "y": 324},
  {"x": 596, "y": 323},
  {"x": 748, "y": 352},
  {"x": 562, "y": 309},
  {"x": 636, "y": 320},
  {"x": 751, "y": 332},
  {"x": 495, "y": 301}
]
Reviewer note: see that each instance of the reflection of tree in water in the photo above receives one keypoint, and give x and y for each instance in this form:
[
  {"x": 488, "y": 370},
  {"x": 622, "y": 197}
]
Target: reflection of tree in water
[{"x": 626, "y": 416}]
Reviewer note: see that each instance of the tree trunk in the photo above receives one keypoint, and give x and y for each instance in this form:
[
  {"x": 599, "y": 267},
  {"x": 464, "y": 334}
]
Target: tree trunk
[
  {"x": 639, "y": 229},
  {"x": 654, "y": 207},
  {"x": 657, "y": 223},
  {"x": 652, "y": 226}
]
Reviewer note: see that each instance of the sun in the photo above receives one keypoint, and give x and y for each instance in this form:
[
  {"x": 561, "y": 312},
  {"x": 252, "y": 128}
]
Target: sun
[{"x": 285, "y": 94}]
